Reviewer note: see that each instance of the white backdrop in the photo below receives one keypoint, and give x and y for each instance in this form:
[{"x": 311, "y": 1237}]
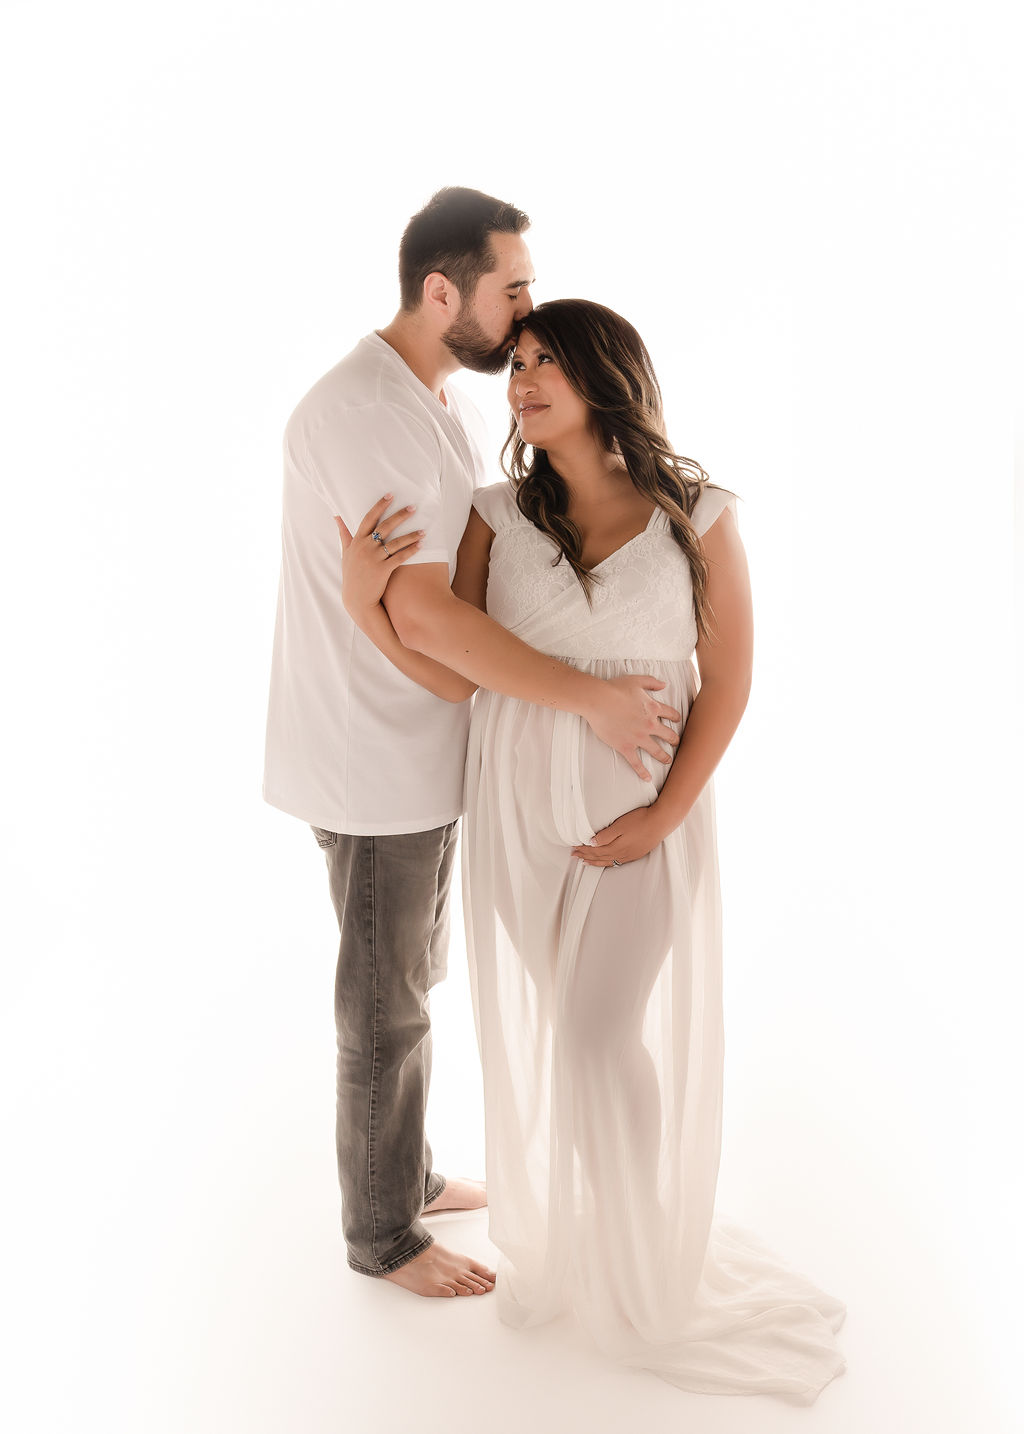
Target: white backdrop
[{"x": 801, "y": 206}]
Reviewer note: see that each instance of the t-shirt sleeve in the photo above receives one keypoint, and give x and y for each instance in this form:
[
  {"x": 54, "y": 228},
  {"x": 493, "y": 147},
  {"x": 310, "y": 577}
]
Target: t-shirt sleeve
[
  {"x": 710, "y": 506},
  {"x": 359, "y": 454},
  {"x": 497, "y": 506}
]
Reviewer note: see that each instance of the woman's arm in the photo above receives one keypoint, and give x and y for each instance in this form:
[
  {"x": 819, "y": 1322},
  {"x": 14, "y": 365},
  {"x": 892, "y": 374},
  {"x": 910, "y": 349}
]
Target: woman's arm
[
  {"x": 366, "y": 568},
  {"x": 725, "y": 662},
  {"x": 474, "y": 560}
]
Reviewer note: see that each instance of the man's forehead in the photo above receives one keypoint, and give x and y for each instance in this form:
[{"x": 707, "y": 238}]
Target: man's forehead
[{"x": 514, "y": 264}]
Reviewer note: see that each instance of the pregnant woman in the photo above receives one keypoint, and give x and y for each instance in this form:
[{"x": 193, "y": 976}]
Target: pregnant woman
[{"x": 592, "y": 896}]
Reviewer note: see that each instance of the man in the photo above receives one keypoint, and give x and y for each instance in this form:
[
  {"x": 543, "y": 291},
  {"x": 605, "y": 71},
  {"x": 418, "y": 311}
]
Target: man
[{"x": 374, "y": 762}]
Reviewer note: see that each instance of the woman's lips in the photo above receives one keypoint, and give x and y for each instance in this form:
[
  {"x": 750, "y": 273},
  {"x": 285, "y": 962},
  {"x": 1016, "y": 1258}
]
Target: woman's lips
[{"x": 532, "y": 408}]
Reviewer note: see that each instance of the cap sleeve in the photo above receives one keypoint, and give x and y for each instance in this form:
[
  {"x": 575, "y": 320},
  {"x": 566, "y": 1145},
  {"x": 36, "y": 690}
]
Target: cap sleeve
[
  {"x": 497, "y": 506},
  {"x": 710, "y": 506}
]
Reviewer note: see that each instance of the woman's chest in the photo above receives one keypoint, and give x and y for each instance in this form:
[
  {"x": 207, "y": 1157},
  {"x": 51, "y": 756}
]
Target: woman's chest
[{"x": 641, "y": 598}]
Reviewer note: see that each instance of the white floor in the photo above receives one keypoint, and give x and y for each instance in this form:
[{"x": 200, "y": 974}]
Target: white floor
[{"x": 175, "y": 1261}]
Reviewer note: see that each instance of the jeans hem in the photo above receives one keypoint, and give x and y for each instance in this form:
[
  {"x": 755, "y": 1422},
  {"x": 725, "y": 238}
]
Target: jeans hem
[
  {"x": 395, "y": 1264},
  {"x": 437, "y": 1193}
]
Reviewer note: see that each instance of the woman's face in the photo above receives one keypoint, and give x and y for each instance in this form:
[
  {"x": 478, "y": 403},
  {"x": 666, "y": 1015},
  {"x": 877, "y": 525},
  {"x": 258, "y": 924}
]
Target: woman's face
[{"x": 546, "y": 408}]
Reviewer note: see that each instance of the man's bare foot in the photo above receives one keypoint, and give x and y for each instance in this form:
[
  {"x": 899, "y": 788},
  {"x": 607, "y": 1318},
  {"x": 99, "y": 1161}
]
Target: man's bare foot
[
  {"x": 459, "y": 1194},
  {"x": 439, "y": 1272}
]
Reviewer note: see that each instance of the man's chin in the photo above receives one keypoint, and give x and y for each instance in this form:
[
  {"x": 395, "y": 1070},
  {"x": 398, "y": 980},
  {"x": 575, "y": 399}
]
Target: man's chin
[
  {"x": 494, "y": 362},
  {"x": 478, "y": 359}
]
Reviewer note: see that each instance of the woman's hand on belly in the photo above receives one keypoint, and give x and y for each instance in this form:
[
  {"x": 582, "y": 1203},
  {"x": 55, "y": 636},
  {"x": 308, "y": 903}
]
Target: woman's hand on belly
[{"x": 628, "y": 838}]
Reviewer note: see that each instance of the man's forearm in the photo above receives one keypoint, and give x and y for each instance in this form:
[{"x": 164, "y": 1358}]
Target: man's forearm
[
  {"x": 465, "y": 639},
  {"x": 417, "y": 666}
]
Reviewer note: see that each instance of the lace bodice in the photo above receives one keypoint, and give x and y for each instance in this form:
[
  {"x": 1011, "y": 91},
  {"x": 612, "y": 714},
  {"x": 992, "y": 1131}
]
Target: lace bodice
[{"x": 642, "y": 599}]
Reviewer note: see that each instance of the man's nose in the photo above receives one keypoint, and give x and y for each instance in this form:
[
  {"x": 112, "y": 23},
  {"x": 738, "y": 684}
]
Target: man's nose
[{"x": 524, "y": 305}]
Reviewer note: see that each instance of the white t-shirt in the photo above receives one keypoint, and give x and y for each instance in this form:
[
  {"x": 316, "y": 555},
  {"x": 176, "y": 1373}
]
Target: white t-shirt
[{"x": 353, "y": 745}]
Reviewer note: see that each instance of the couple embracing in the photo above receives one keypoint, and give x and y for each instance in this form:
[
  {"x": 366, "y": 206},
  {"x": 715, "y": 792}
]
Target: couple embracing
[{"x": 574, "y": 601}]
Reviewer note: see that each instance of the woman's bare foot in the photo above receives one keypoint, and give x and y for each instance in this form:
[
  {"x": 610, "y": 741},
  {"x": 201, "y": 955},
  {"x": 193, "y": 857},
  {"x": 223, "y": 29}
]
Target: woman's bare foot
[
  {"x": 459, "y": 1194},
  {"x": 439, "y": 1272}
]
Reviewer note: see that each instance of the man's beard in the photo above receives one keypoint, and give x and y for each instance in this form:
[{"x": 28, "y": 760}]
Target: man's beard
[{"x": 470, "y": 345}]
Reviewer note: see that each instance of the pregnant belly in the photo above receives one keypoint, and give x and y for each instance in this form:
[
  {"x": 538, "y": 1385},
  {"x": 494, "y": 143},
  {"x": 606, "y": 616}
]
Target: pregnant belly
[{"x": 564, "y": 782}]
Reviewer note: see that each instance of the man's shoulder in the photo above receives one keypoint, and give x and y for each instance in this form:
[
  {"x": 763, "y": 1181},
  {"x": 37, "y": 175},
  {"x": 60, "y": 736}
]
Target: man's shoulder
[
  {"x": 358, "y": 392},
  {"x": 359, "y": 380}
]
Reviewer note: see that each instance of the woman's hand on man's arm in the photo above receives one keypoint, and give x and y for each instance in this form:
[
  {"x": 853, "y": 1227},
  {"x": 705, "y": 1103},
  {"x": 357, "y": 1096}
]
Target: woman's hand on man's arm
[{"x": 367, "y": 565}]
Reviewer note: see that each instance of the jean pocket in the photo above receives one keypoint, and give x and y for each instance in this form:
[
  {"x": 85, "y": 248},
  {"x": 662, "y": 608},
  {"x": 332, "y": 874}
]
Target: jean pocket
[{"x": 324, "y": 839}]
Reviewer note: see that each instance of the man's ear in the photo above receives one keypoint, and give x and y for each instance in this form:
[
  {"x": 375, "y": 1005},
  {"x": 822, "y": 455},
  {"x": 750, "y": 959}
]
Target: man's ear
[{"x": 441, "y": 297}]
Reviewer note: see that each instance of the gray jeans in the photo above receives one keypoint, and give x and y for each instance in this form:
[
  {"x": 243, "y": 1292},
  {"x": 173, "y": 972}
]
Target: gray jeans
[{"x": 391, "y": 898}]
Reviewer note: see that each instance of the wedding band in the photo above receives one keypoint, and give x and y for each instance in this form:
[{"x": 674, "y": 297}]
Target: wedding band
[
  {"x": 616, "y": 863},
  {"x": 385, "y": 547}
]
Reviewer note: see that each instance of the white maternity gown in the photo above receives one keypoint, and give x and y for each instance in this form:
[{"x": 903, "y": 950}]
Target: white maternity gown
[{"x": 597, "y": 995}]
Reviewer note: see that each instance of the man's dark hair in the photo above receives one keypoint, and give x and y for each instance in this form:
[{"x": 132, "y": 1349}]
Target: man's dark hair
[{"x": 451, "y": 236}]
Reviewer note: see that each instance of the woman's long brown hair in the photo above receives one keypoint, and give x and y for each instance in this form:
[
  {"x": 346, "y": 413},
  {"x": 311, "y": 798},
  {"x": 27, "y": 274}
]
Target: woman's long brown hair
[{"x": 607, "y": 364}]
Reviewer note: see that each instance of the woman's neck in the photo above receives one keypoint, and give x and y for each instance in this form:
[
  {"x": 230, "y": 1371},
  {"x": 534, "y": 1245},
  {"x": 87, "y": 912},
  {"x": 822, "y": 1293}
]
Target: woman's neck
[{"x": 591, "y": 474}]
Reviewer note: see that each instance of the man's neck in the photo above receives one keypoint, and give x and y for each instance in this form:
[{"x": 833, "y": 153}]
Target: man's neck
[{"x": 424, "y": 353}]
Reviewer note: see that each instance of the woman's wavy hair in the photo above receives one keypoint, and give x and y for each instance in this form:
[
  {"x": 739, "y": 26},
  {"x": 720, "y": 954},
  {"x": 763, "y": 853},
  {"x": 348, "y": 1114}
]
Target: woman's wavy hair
[{"x": 607, "y": 364}]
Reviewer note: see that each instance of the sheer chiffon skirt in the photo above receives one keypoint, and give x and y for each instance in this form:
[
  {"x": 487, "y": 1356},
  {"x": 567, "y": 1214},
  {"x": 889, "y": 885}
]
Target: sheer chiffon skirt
[{"x": 598, "y": 1002}]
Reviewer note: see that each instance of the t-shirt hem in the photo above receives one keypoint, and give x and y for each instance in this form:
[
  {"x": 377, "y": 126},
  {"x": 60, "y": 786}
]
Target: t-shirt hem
[
  {"x": 401, "y": 826},
  {"x": 431, "y": 555}
]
